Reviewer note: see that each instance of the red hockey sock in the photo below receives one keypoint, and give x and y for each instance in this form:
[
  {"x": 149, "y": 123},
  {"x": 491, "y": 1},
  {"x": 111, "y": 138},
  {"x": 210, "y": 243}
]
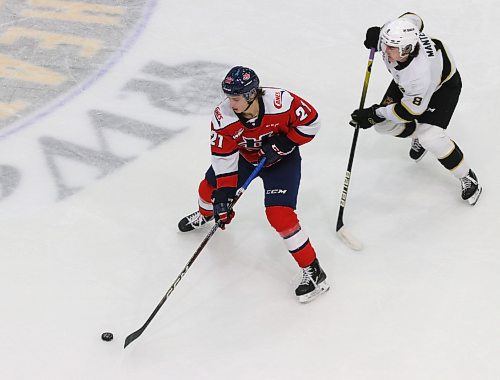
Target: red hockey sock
[
  {"x": 285, "y": 222},
  {"x": 205, "y": 198}
]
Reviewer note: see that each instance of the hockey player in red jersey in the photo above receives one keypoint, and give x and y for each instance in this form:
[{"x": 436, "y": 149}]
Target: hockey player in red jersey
[
  {"x": 250, "y": 123},
  {"x": 422, "y": 97}
]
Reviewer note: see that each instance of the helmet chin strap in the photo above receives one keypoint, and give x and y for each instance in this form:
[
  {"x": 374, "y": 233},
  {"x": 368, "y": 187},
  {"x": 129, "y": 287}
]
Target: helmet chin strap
[{"x": 249, "y": 104}]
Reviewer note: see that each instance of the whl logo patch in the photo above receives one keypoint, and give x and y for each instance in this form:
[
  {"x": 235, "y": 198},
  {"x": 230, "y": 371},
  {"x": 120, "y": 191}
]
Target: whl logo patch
[{"x": 51, "y": 50}]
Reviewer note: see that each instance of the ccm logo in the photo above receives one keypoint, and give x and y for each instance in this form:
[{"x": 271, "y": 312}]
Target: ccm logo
[
  {"x": 276, "y": 191},
  {"x": 218, "y": 114},
  {"x": 277, "y": 100}
]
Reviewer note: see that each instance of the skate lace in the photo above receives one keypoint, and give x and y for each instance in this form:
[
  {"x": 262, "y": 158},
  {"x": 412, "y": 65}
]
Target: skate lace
[
  {"x": 195, "y": 219},
  {"x": 415, "y": 145},
  {"x": 467, "y": 182},
  {"x": 307, "y": 275}
]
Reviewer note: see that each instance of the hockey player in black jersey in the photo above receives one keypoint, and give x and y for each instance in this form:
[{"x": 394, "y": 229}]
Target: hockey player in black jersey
[{"x": 421, "y": 98}]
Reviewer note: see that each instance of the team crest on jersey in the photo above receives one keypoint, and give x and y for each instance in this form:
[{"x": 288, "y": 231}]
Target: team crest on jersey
[
  {"x": 277, "y": 100},
  {"x": 251, "y": 143}
]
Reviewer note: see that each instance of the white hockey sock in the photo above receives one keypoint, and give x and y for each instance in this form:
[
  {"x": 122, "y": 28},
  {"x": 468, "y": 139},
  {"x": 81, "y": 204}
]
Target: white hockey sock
[{"x": 436, "y": 141}]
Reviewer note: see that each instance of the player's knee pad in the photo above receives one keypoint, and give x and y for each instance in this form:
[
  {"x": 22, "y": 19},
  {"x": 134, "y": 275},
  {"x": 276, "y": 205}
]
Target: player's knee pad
[
  {"x": 389, "y": 127},
  {"x": 434, "y": 139},
  {"x": 283, "y": 219}
]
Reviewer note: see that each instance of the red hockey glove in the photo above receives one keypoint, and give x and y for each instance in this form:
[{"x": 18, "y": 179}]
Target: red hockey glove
[{"x": 222, "y": 200}]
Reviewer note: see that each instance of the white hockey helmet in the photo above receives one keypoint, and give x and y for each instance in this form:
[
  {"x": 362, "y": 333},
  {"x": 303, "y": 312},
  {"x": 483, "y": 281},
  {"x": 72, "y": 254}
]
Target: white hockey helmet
[{"x": 400, "y": 33}]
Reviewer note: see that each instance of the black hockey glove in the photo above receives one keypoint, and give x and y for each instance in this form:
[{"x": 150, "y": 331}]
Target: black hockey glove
[
  {"x": 222, "y": 200},
  {"x": 366, "y": 117},
  {"x": 372, "y": 36},
  {"x": 276, "y": 147}
]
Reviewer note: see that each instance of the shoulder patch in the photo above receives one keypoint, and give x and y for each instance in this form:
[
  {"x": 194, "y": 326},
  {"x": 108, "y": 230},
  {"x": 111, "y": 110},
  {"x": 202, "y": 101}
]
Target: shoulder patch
[
  {"x": 223, "y": 116},
  {"x": 218, "y": 114},
  {"x": 277, "y": 100}
]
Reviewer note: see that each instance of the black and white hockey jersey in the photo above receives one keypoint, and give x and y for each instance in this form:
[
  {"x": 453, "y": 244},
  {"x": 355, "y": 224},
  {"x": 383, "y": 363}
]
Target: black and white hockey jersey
[{"x": 418, "y": 78}]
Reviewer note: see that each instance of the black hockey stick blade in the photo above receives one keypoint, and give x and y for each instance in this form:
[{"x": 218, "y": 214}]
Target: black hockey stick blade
[{"x": 134, "y": 336}]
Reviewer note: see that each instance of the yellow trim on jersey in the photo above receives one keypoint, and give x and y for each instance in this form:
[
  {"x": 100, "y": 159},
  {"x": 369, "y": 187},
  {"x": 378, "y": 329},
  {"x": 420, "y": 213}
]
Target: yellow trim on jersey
[
  {"x": 445, "y": 55},
  {"x": 409, "y": 110},
  {"x": 453, "y": 69}
]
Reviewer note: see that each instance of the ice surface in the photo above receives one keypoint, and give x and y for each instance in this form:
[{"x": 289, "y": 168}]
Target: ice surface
[{"x": 92, "y": 193}]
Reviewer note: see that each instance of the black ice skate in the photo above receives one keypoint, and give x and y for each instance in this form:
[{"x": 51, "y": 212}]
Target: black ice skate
[
  {"x": 313, "y": 283},
  {"x": 417, "y": 151},
  {"x": 193, "y": 221},
  {"x": 471, "y": 189}
]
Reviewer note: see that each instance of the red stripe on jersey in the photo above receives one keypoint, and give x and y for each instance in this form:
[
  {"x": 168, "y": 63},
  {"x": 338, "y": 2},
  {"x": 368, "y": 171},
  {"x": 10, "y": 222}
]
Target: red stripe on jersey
[
  {"x": 297, "y": 137},
  {"x": 227, "y": 181}
]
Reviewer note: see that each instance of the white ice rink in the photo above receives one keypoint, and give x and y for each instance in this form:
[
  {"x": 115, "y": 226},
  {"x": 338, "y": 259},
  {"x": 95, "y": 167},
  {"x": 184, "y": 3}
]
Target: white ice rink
[{"x": 103, "y": 142}]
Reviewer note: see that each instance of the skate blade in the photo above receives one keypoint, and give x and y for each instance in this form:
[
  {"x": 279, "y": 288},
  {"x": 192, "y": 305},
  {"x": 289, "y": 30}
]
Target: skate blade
[
  {"x": 306, "y": 298},
  {"x": 475, "y": 197}
]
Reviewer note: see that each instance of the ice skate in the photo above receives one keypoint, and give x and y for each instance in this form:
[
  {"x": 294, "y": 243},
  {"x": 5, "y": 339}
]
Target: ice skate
[
  {"x": 313, "y": 283},
  {"x": 417, "y": 151},
  {"x": 471, "y": 189},
  {"x": 193, "y": 221}
]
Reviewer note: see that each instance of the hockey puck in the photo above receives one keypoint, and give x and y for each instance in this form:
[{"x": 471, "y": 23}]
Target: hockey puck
[{"x": 107, "y": 336}]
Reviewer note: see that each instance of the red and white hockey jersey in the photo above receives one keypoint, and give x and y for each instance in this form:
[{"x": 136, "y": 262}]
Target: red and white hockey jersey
[{"x": 280, "y": 112}]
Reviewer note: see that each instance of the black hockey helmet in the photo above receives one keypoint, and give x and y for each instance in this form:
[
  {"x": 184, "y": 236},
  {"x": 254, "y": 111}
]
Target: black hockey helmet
[{"x": 241, "y": 81}]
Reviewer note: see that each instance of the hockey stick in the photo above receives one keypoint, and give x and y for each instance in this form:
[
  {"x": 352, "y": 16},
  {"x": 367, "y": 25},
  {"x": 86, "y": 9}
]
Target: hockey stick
[
  {"x": 136, "y": 334},
  {"x": 344, "y": 234}
]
